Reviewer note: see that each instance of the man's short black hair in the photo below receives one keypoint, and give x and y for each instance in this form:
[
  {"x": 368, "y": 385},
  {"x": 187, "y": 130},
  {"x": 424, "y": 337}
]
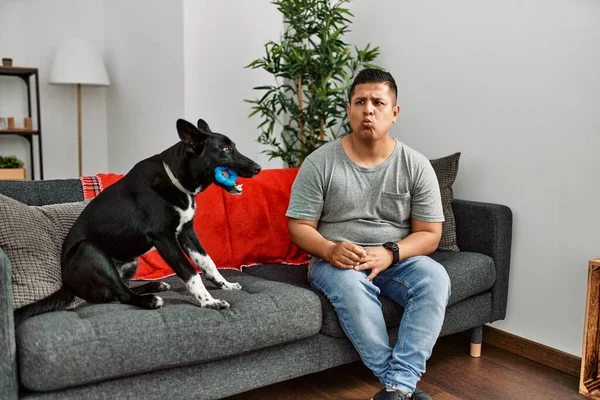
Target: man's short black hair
[{"x": 372, "y": 75}]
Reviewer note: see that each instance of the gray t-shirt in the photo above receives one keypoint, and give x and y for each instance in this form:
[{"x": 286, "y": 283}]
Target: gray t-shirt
[{"x": 365, "y": 206}]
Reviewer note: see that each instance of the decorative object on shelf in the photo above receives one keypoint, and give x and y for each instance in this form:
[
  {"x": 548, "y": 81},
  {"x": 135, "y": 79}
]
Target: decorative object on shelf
[
  {"x": 3, "y": 123},
  {"x": 11, "y": 168},
  {"x": 27, "y": 124},
  {"x": 7, "y": 62},
  {"x": 11, "y": 122},
  {"x": 78, "y": 62},
  {"x": 313, "y": 68}
]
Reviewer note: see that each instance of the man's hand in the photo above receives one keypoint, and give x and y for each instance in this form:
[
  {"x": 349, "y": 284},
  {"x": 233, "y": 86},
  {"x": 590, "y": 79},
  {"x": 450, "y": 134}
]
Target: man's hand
[
  {"x": 378, "y": 259},
  {"x": 346, "y": 255}
]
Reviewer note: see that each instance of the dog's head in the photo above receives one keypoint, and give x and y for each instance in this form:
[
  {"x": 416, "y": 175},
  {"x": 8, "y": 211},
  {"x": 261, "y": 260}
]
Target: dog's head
[{"x": 208, "y": 150}]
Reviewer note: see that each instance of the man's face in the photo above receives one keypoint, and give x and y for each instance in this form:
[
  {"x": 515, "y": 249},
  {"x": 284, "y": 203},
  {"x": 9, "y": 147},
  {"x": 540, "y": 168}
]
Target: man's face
[{"x": 372, "y": 110}]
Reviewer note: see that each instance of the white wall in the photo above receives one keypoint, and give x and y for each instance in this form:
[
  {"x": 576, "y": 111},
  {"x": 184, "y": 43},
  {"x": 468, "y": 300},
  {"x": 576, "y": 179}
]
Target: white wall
[
  {"x": 145, "y": 57},
  {"x": 182, "y": 59},
  {"x": 13, "y": 99},
  {"x": 153, "y": 80},
  {"x": 514, "y": 86},
  {"x": 31, "y": 31},
  {"x": 221, "y": 38}
]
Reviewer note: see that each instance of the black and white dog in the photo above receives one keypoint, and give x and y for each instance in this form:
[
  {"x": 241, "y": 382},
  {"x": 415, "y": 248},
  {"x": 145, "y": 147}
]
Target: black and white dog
[{"x": 151, "y": 207}]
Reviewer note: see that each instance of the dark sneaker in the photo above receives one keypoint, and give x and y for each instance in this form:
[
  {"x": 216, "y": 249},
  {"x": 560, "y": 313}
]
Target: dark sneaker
[
  {"x": 385, "y": 395},
  {"x": 418, "y": 394}
]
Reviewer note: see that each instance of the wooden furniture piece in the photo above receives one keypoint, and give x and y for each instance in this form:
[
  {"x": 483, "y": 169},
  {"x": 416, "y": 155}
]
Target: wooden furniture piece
[
  {"x": 13, "y": 174},
  {"x": 31, "y": 78},
  {"x": 589, "y": 381}
]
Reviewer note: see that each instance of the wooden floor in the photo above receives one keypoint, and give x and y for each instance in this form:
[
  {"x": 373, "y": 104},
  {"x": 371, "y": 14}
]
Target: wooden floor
[{"x": 451, "y": 374}]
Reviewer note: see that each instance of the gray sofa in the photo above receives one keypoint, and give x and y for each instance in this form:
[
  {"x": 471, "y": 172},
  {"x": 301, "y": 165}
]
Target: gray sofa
[{"x": 277, "y": 327}]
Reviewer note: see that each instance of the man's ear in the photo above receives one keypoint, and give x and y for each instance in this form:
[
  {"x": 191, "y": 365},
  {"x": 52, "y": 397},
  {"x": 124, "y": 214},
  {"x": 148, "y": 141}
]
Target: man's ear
[
  {"x": 203, "y": 126},
  {"x": 191, "y": 136}
]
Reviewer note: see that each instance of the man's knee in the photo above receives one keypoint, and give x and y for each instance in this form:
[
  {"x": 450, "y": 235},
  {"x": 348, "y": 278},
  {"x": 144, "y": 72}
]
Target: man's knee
[{"x": 434, "y": 278}]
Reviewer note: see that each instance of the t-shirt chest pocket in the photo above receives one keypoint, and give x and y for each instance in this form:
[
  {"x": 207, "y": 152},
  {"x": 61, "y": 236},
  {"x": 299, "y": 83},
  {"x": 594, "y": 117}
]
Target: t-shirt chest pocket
[{"x": 394, "y": 207}]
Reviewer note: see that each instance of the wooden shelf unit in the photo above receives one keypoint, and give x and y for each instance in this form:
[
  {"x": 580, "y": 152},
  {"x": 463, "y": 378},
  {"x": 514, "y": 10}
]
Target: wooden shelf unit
[
  {"x": 21, "y": 131},
  {"x": 589, "y": 383},
  {"x": 30, "y": 77}
]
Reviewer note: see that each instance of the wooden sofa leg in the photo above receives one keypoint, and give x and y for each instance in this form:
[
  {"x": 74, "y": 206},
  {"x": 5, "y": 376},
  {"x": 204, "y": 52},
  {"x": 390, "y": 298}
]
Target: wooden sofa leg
[{"x": 476, "y": 339}]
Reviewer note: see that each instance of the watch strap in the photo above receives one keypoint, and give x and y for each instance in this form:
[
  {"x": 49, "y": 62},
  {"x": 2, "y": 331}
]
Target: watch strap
[{"x": 393, "y": 247}]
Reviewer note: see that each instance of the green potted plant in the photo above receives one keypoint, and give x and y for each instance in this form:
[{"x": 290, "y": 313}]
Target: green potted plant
[
  {"x": 313, "y": 69},
  {"x": 11, "y": 168}
]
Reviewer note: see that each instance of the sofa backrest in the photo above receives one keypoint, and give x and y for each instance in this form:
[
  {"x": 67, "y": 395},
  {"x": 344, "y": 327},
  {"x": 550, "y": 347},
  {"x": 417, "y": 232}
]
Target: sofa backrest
[
  {"x": 40, "y": 193},
  {"x": 235, "y": 230}
]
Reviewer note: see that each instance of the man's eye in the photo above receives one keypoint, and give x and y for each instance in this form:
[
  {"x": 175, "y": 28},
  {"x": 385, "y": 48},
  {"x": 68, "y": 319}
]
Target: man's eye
[{"x": 227, "y": 149}]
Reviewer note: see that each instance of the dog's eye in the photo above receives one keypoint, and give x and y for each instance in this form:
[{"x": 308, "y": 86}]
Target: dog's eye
[{"x": 227, "y": 149}]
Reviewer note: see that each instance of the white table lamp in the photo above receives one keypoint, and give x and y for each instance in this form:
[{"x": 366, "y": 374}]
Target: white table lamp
[{"x": 78, "y": 62}]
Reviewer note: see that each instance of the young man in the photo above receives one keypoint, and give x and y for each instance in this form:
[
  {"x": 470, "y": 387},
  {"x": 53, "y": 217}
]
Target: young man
[{"x": 367, "y": 208}]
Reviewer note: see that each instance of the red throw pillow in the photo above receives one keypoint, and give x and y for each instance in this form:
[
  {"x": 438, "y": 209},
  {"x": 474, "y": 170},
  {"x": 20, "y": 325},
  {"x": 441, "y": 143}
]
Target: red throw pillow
[{"x": 235, "y": 230}]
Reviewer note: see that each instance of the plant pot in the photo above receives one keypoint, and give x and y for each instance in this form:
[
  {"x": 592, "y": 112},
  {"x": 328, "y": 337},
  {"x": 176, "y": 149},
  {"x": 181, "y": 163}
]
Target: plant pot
[
  {"x": 13, "y": 174},
  {"x": 7, "y": 62}
]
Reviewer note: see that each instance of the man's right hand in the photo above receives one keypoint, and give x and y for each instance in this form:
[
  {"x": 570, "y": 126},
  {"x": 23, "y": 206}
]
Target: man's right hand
[{"x": 346, "y": 255}]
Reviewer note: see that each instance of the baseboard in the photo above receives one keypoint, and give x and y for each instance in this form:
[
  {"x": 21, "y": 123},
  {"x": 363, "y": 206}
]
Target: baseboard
[{"x": 533, "y": 351}]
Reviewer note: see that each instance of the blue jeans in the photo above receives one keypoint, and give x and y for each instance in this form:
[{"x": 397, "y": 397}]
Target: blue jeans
[{"x": 419, "y": 284}]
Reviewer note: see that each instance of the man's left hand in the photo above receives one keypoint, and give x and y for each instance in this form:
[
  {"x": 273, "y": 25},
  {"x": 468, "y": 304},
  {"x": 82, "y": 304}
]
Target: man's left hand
[{"x": 378, "y": 259}]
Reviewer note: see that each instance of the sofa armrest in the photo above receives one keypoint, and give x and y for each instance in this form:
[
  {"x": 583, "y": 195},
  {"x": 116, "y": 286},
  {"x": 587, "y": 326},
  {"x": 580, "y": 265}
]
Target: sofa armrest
[
  {"x": 9, "y": 388},
  {"x": 487, "y": 228}
]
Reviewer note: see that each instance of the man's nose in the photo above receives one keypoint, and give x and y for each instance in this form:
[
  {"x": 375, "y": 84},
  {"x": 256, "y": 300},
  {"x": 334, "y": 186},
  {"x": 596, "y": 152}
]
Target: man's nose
[{"x": 368, "y": 109}]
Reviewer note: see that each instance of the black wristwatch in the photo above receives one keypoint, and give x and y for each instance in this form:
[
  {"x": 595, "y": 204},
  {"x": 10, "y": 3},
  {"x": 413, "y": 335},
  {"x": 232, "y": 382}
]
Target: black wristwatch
[{"x": 393, "y": 247}]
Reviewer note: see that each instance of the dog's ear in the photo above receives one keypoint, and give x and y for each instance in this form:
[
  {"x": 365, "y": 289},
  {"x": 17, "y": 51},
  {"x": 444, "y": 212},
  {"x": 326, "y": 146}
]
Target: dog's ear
[
  {"x": 190, "y": 135},
  {"x": 203, "y": 126}
]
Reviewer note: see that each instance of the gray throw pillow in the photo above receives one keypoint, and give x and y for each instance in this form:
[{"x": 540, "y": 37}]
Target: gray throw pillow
[
  {"x": 32, "y": 238},
  {"x": 446, "y": 169}
]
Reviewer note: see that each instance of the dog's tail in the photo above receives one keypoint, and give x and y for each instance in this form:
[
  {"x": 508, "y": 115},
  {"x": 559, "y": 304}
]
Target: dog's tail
[{"x": 59, "y": 300}]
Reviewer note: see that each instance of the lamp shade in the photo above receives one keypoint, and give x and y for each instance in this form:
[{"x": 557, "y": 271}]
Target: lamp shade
[{"x": 78, "y": 61}]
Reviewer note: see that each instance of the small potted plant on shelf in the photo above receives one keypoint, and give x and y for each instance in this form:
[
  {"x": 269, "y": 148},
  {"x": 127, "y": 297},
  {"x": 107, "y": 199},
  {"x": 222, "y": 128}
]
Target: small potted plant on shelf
[{"x": 11, "y": 168}]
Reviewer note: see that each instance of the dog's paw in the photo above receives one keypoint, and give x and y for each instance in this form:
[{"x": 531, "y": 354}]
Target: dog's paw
[
  {"x": 231, "y": 286},
  {"x": 163, "y": 287},
  {"x": 159, "y": 301},
  {"x": 154, "y": 302},
  {"x": 215, "y": 304}
]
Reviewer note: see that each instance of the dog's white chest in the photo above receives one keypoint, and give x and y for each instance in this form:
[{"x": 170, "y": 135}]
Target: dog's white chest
[{"x": 185, "y": 215}]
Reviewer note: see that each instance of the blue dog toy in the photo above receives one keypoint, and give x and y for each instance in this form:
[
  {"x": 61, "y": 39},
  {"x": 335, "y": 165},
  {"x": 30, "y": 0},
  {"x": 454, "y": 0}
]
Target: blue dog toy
[{"x": 225, "y": 180}]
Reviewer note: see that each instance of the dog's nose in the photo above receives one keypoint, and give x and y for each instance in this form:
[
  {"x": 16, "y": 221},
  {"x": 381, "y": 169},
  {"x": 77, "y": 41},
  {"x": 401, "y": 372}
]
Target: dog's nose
[{"x": 257, "y": 169}]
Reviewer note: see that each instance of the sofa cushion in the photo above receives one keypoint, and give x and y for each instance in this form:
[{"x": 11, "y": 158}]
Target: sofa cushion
[
  {"x": 32, "y": 238},
  {"x": 103, "y": 341},
  {"x": 470, "y": 274},
  {"x": 446, "y": 169}
]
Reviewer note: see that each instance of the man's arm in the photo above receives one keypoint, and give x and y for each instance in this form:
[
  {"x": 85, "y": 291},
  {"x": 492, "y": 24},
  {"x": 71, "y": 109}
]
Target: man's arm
[
  {"x": 343, "y": 255},
  {"x": 423, "y": 240}
]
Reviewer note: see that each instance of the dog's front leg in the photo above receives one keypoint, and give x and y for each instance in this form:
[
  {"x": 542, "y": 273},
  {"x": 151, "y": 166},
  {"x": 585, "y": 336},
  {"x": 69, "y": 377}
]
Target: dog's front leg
[
  {"x": 191, "y": 244},
  {"x": 170, "y": 250}
]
